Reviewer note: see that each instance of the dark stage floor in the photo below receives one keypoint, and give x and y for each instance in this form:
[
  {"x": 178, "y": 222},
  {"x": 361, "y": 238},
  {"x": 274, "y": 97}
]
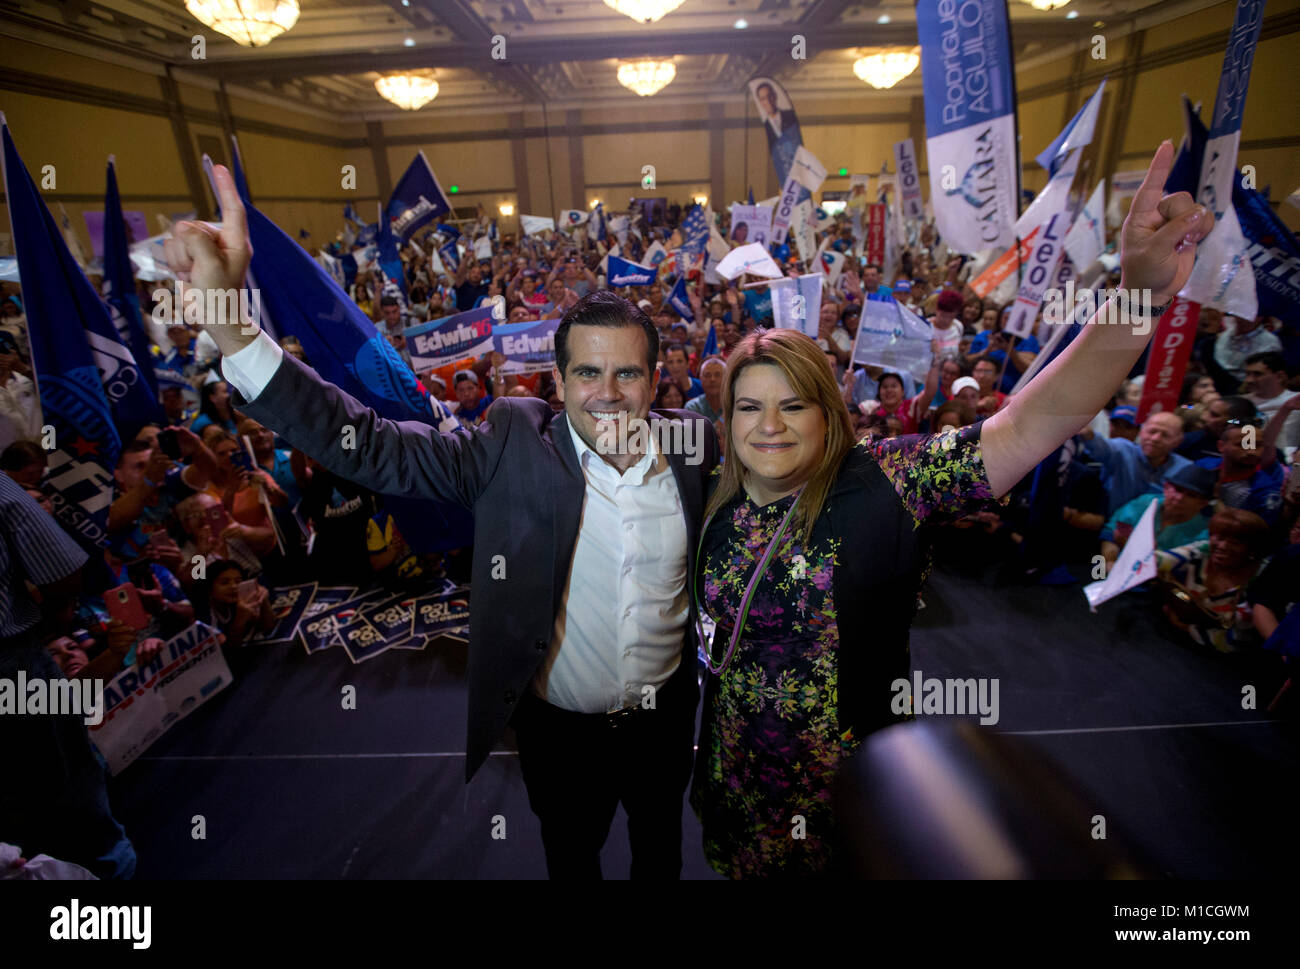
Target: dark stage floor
[{"x": 293, "y": 786}]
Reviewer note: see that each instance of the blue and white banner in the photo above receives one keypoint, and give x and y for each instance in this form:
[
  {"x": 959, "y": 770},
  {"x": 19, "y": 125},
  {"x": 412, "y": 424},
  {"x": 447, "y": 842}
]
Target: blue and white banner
[
  {"x": 448, "y": 239},
  {"x": 1275, "y": 256},
  {"x": 909, "y": 179},
  {"x": 1221, "y": 276},
  {"x": 624, "y": 273},
  {"x": 390, "y": 264},
  {"x": 680, "y": 301},
  {"x": 797, "y": 303},
  {"x": 442, "y": 342},
  {"x": 417, "y": 199},
  {"x": 751, "y": 223},
  {"x": 893, "y": 337},
  {"x": 1087, "y": 236},
  {"x": 528, "y": 347},
  {"x": 533, "y": 224},
  {"x": 597, "y": 228},
  {"x": 970, "y": 119},
  {"x": 572, "y": 218},
  {"x": 805, "y": 176},
  {"x": 59, "y": 302}
]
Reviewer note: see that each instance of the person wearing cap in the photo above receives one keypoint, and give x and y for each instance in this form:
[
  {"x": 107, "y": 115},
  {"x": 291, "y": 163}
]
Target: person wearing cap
[
  {"x": 1124, "y": 423},
  {"x": 903, "y": 293},
  {"x": 966, "y": 390},
  {"x": 1181, "y": 513},
  {"x": 471, "y": 409},
  {"x": 20, "y": 409}
]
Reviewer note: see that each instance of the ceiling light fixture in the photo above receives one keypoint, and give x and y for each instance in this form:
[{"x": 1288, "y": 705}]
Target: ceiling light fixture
[
  {"x": 885, "y": 68},
  {"x": 410, "y": 92},
  {"x": 741, "y": 24},
  {"x": 646, "y": 77},
  {"x": 1047, "y": 4},
  {"x": 506, "y": 209},
  {"x": 249, "y": 23},
  {"x": 644, "y": 11}
]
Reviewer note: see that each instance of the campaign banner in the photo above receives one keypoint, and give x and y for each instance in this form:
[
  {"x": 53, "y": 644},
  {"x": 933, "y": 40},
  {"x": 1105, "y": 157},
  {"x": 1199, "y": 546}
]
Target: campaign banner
[
  {"x": 142, "y": 703},
  {"x": 831, "y": 263},
  {"x": 1274, "y": 254},
  {"x": 752, "y": 224},
  {"x": 439, "y": 343},
  {"x": 394, "y": 617},
  {"x": 1167, "y": 357},
  {"x": 806, "y": 175},
  {"x": 874, "y": 244},
  {"x": 968, "y": 77},
  {"x": 324, "y": 629},
  {"x": 1087, "y": 236},
  {"x": 621, "y": 272},
  {"x": 991, "y": 281},
  {"x": 909, "y": 179},
  {"x": 894, "y": 338},
  {"x": 1221, "y": 277},
  {"x": 528, "y": 347},
  {"x": 416, "y": 201},
  {"x": 780, "y": 124},
  {"x": 680, "y": 301},
  {"x": 572, "y": 218},
  {"x": 288, "y": 605},
  {"x": 120, "y": 295},
  {"x": 797, "y": 303},
  {"x": 1077, "y": 133},
  {"x": 801, "y": 229},
  {"x": 1135, "y": 565},
  {"x": 1048, "y": 247}
]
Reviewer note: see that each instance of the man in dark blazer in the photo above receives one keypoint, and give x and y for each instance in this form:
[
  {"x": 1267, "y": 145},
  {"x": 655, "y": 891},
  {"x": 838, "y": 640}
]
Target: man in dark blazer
[{"x": 582, "y": 631}]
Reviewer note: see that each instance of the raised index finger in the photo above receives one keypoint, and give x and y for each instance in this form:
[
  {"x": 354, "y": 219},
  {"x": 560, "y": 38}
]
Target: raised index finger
[
  {"x": 1153, "y": 186},
  {"x": 233, "y": 220}
]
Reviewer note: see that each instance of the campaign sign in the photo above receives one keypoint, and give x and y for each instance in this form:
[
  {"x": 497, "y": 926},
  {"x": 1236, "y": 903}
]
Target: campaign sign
[
  {"x": 439, "y": 343},
  {"x": 437, "y": 614},
  {"x": 142, "y": 703},
  {"x": 362, "y": 641},
  {"x": 288, "y": 605},
  {"x": 528, "y": 347},
  {"x": 394, "y": 617}
]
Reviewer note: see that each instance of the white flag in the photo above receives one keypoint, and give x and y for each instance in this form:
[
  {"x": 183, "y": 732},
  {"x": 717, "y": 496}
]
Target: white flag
[
  {"x": 482, "y": 248},
  {"x": 807, "y": 170},
  {"x": 752, "y": 259},
  {"x": 1136, "y": 562},
  {"x": 1087, "y": 236},
  {"x": 536, "y": 223},
  {"x": 797, "y": 303}
]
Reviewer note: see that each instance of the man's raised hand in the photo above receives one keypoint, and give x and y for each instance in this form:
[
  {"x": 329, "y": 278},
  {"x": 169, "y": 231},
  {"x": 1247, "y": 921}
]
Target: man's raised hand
[
  {"x": 214, "y": 259},
  {"x": 1159, "y": 238}
]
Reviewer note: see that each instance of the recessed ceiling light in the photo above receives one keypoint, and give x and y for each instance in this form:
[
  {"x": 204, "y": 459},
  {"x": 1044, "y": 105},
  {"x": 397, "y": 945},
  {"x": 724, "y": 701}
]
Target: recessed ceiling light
[
  {"x": 1072, "y": 15},
  {"x": 409, "y": 42},
  {"x": 883, "y": 18},
  {"x": 406, "y": 3},
  {"x": 741, "y": 24}
]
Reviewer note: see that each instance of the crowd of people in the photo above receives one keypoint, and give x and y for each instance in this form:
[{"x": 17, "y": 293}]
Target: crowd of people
[{"x": 211, "y": 512}]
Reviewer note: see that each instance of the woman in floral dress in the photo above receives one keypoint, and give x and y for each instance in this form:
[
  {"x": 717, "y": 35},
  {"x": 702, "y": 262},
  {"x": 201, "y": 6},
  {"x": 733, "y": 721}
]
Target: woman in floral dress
[{"x": 813, "y": 553}]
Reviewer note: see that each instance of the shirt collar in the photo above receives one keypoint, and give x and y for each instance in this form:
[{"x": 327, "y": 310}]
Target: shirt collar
[{"x": 634, "y": 475}]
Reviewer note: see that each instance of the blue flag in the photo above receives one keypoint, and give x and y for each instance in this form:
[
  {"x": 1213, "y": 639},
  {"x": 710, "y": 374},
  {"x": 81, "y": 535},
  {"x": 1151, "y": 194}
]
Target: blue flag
[
  {"x": 680, "y": 301},
  {"x": 597, "y": 223},
  {"x": 751, "y": 196},
  {"x": 60, "y": 302},
  {"x": 368, "y": 235},
  {"x": 347, "y": 350},
  {"x": 711, "y": 343},
  {"x": 417, "y": 199},
  {"x": 119, "y": 287},
  {"x": 620, "y": 272},
  {"x": 390, "y": 261},
  {"x": 350, "y": 214},
  {"x": 1185, "y": 174}
]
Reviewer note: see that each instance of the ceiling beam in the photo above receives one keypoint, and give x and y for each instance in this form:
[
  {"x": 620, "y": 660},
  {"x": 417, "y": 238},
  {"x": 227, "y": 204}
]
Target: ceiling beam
[
  {"x": 475, "y": 35},
  {"x": 475, "y": 52}
]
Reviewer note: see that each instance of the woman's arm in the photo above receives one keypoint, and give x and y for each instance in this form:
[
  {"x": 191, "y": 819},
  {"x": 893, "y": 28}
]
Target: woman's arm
[{"x": 1158, "y": 247}]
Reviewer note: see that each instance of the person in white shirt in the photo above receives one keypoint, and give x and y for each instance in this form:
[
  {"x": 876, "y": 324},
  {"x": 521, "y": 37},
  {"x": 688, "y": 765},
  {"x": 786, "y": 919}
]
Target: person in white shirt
[
  {"x": 948, "y": 329},
  {"x": 20, "y": 409},
  {"x": 1265, "y": 387},
  {"x": 1240, "y": 339}
]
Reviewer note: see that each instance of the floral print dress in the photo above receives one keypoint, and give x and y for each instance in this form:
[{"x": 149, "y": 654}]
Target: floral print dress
[{"x": 763, "y": 786}]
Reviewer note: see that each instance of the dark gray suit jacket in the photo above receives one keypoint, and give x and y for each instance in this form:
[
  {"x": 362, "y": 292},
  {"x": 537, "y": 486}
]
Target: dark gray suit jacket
[{"x": 520, "y": 475}]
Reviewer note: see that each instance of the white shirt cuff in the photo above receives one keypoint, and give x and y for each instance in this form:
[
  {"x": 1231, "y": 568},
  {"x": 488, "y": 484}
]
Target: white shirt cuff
[{"x": 251, "y": 368}]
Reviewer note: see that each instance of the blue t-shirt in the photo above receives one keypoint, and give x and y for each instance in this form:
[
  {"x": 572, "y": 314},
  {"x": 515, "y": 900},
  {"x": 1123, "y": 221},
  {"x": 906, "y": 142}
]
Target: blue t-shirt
[
  {"x": 758, "y": 304},
  {"x": 1261, "y": 493},
  {"x": 981, "y": 343}
]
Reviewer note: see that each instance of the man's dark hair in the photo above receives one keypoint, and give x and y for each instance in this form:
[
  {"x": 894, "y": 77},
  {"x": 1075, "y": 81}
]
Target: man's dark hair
[
  {"x": 605, "y": 308},
  {"x": 875, "y": 266},
  {"x": 135, "y": 447},
  {"x": 389, "y": 301},
  {"x": 20, "y": 454},
  {"x": 1269, "y": 358},
  {"x": 676, "y": 346},
  {"x": 1238, "y": 408},
  {"x": 759, "y": 89}
]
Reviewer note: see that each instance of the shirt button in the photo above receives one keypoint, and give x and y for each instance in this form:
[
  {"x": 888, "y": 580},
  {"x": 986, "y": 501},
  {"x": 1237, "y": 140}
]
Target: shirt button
[
  {"x": 628, "y": 526},
  {"x": 627, "y": 613},
  {"x": 540, "y": 645},
  {"x": 510, "y": 696}
]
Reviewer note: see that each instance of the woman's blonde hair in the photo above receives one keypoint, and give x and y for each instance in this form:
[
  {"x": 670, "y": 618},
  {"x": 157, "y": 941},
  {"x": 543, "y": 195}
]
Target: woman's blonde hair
[{"x": 804, "y": 365}]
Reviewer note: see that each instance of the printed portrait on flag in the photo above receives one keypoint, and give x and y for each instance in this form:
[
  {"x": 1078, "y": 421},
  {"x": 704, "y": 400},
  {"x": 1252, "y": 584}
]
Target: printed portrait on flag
[{"x": 779, "y": 121}]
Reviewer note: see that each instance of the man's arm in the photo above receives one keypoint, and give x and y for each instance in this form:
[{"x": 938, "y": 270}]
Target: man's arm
[
  {"x": 348, "y": 438},
  {"x": 1158, "y": 248}
]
